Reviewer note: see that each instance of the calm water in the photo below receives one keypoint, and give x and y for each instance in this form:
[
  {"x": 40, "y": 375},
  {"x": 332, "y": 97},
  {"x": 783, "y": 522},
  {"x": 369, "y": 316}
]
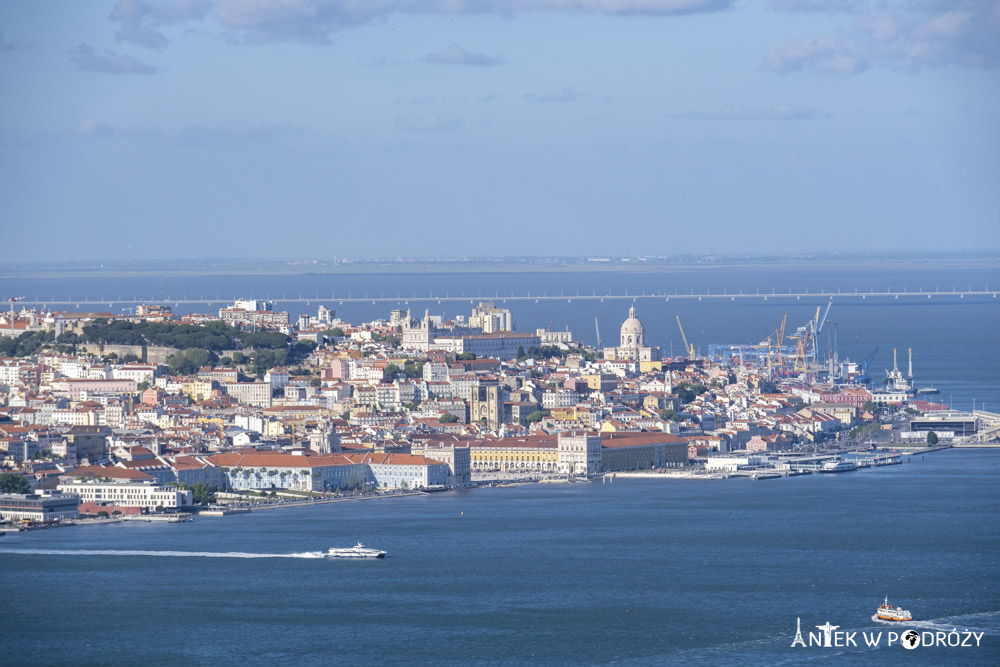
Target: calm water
[
  {"x": 635, "y": 573},
  {"x": 955, "y": 343}
]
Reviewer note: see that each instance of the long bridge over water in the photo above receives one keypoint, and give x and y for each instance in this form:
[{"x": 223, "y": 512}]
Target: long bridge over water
[{"x": 400, "y": 298}]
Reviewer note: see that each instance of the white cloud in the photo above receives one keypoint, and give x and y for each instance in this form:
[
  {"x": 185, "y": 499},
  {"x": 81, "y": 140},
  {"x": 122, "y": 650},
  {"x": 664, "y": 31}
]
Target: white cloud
[
  {"x": 91, "y": 127},
  {"x": 315, "y": 21},
  {"x": 741, "y": 112},
  {"x": 964, "y": 33},
  {"x": 428, "y": 123},
  {"x": 135, "y": 18},
  {"x": 87, "y": 58},
  {"x": 15, "y": 45},
  {"x": 456, "y": 55},
  {"x": 567, "y": 94},
  {"x": 309, "y": 21},
  {"x": 825, "y": 6},
  {"x": 599, "y": 6}
]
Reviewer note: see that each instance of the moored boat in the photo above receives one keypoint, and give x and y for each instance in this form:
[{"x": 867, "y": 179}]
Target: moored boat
[{"x": 838, "y": 466}]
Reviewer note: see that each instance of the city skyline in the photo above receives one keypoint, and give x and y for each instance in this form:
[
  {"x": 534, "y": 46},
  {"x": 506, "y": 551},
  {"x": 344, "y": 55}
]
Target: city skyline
[{"x": 440, "y": 129}]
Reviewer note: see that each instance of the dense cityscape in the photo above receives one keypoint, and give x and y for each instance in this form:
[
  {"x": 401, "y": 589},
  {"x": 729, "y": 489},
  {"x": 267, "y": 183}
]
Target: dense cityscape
[{"x": 154, "y": 416}]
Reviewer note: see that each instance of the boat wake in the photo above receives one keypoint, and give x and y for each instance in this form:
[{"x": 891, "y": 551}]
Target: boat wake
[
  {"x": 167, "y": 554},
  {"x": 986, "y": 622}
]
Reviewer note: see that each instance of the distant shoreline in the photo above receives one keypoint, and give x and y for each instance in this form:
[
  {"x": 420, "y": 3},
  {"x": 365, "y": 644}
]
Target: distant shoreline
[{"x": 189, "y": 268}]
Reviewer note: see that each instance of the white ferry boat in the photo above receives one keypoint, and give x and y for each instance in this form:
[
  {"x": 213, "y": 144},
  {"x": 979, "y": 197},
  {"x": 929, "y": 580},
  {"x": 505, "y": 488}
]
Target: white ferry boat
[
  {"x": 357, "y": 551},
  {"x": 838, "y": 466},
  {"x": 886, "y": 612}
]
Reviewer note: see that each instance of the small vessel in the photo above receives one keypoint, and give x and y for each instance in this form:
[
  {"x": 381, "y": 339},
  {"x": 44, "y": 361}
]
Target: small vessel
[
  {"x": 357, "y": 551},
  {"x": 928, "y": 390},
  {"x": 838, "y": 466},
  {"x": 886, "y": 612}
]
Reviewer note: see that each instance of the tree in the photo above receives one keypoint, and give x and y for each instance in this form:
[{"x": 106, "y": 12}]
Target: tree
[
  {"x": 466, "y": 356},
  {"x": 199, "y": 357},
  {"x": 932, "y": 438},
  {"x": 391, "y": 371},
  {"x": 688, "y": 391},
  {"x": 12, "y": 482},
  {"x": 142, "y": 386},
  {"x": 335, "y": 332},
  {"x": 180, "y": 364},
  {"x": 302, "y": 349},
  {"x": 869, "y": 406},
  {"x": 202, "y": 494},
  {"x": 447, "y": 419},
  {"x": 669, "y": 415},
  {"x": 68, "y": 338},
  {"x": 537, "y": 416}
]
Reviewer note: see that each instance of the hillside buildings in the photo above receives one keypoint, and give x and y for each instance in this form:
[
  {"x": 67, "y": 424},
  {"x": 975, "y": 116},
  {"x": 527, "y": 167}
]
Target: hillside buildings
[{"x": 394, "y": 405}]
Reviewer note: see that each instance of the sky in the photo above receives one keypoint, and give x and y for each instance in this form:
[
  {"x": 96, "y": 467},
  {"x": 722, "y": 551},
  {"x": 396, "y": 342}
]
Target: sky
[{"x": 490, "y": 128}]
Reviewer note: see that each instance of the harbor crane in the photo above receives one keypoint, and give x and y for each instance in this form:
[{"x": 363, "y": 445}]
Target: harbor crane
[
  {"x": 13, "y": 299},
  {"x": 688, "y": 348},
  {"x": 864, "y": 377}
]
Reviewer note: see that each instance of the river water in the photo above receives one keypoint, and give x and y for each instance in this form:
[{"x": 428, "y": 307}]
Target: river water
[
  {"x": 635, "y": 572},
  {"x": 954, "y": 340}
]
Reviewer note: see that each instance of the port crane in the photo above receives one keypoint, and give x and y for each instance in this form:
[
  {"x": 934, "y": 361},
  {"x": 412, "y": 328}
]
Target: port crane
[
  {"x": 774, "y": 357},
  {"x": 12, "y": 300},
  {"x": 863, "y": 376},
  {"x": 687, "y": 346}
]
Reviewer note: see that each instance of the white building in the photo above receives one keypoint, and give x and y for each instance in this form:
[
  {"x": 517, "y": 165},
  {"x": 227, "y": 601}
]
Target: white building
[
  {"x": 632, "y": 342},
  {"x": 138, "y": 372},
  {"x": 257, "y": 394},
  {"x": 490, "y": 319},
  {"x": 32, "y": 507},
  {"x": 123, "y": 487},
  {"x": 579, "y": 454}
]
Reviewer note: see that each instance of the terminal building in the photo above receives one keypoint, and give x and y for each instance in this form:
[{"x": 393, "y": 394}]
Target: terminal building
[
  {"x": 41, "y": 508},
  {"x": 957, "y": 423}
]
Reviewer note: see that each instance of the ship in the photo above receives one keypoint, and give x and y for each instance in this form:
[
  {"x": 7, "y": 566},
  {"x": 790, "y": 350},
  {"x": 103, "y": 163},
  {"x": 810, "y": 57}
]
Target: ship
[
  {"x": 886, "y": 612},
  {"x": 838, "y": 466},
  {"x": 357, "y": 551},
  {"x": 928, "y": 390}
]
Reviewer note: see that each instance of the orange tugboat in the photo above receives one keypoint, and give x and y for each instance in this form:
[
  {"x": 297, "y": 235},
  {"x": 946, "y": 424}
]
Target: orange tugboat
[{"x": 886, "y": 612}]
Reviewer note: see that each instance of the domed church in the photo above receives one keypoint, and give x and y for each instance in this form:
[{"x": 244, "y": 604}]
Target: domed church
[{"x": 632, "y": 344}]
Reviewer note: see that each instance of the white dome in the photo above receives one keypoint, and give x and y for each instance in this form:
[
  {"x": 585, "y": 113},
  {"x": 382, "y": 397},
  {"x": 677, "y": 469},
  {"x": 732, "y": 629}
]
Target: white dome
[{"x": 632, "y": 334}]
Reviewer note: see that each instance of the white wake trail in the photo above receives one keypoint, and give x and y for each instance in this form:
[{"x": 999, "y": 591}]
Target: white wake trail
[{"x": 174, "y": 554}]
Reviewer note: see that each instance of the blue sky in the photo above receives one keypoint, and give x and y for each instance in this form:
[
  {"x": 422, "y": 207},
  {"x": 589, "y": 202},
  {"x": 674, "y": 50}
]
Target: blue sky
[{"x": 433, "y": 128}]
